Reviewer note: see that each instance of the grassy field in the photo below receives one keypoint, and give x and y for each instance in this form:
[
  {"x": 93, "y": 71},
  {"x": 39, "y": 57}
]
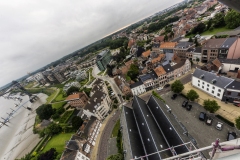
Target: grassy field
[
  {"x": 58, "y": 105},
  {"x": 115, "y": 129},
  {"x": 30, "y": 85},
  {"x": 58, "y": 142},
  {"x": 60, "y": 96},
  {"x": 66, "y": 116},
  {"x": 50, "y": 98},
  {"x": 215, "y": 31}
]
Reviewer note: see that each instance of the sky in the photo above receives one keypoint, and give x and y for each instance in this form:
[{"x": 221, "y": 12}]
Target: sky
[{"x": 35, "y": 33}]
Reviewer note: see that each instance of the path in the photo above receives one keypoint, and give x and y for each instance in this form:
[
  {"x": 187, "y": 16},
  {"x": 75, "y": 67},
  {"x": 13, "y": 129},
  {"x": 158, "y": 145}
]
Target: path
[{"x": 58, "y": 90}]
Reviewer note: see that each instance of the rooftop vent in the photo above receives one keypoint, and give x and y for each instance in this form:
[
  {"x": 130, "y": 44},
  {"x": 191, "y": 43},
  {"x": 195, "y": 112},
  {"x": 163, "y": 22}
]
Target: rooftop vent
[
  {"x": 202, "y": 76},
  {"x": 233, "y": 86},
  {"x": 214, "y": 81}
]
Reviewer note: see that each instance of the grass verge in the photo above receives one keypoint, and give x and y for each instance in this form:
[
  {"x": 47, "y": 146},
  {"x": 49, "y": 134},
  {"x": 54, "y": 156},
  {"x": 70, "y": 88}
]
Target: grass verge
[
  {"x": 158, "y": 96},
  {"x": 58, "y": 105},
  {"x": 116, "y": 129},
  {"x": 66, "y": 116}
]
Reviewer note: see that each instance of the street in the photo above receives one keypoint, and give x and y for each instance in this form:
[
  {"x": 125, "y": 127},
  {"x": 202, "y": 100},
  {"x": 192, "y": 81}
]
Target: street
[{"x": 106, "y": 134}]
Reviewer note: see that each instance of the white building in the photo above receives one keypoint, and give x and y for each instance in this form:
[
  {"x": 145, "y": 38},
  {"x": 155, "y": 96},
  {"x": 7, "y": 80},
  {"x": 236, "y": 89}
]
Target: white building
[
  {"x": 81, "y": 75},
  {"x": 72, "y": 84},
  {"x": 210, "y": 83},
  {"x": 80, "y": 156},
  {"x": 229, "y": 65},
  {"x": 138, "y": 88}
]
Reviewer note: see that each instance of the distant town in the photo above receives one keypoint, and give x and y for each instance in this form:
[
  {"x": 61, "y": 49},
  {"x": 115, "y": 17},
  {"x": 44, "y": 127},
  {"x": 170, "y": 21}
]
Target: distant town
[{"x": 159, "y": 89}]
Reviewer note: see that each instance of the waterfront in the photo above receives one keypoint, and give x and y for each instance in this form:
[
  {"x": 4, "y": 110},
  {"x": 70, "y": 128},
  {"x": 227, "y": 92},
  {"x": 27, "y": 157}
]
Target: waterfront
[{"x": 17, "y": 139}]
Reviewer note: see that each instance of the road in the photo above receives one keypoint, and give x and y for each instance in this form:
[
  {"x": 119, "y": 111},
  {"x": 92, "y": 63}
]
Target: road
[
  {"x": 110, "y": 81},
  {"x": 106, "y": 134}
]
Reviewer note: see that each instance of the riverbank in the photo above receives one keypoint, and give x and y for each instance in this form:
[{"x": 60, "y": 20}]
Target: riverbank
[{"x": 18, "y": 139}]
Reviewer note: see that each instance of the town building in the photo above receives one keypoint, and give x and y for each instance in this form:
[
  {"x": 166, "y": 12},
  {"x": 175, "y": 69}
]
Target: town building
[
  {"x": 169, "y": 72},
  {"x": 230, "y": 67},
  {"x": 99, "y": 103},
  {"x": 181, "y": 67},
  {"x": 168, "y": 47},
  {"x": 138, "y": 88},
  {"x": 123, "y": 85},
  {"x": 181, "y": 49},
  {"x": 150, "y": 80},
  {"x": 77, "y": 100},
  {"x": 103, "y": 59},
  {"x": 232, "y": 92},
  {"x": 145, "y": 130},
  {"x": 156, "y": 47},
  {"x": 195, "y": 54},
  {"x": 81, "y": 75},
  {"x": 210, "y": 82},
  {"x": 162, "y": 75},
  {"x": 69, "y": 85}
]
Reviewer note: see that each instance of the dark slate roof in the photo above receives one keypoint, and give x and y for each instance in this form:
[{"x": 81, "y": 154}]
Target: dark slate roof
[
  {"x": 88, "y": 126},
  {"x": 156, "y": 45},
  {"x": 153, "y": 74},
  {"x": 134, "y": 138},
  {"x": 198, "y": 50},
  {"x": 94, "y": 101},
  {"x": 72, "y": 145},
  {"x": 168, "y": 130},
  {"x": 149, "y": 132},
  {"x": 234, "y": 85},
  {"x": 69, "y": 154},
  {"x": 168, "y": 56},
  {"x": 228, "y": 42},
  {"x": 178, "y": 65},
  {"x": 101, "y": 54},
  {"x": 183, "y": 45},
  {"x": 176, "y": 39},
  {"x": 221, "y": 81},
  {"x": 136, "y": 84},
  {"x": 168, "y": 68},
  {"x": 145, "y": 77},
  {"x": 140, "y": 50},
  {"x": 230, "y": 61}
]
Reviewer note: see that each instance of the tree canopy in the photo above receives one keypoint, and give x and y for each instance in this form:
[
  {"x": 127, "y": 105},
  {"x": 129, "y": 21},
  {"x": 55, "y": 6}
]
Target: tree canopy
[
  {"x": 211, "y": 105},
  {"x": 48, "y": 155},
  {"x": 192, "y": 95},
  {"x": 53, "y": 129},
  {"x": 72, "y": 90},
  {"x": 237, "y": 122},
  {"x": 232, "y": 19},
  {"x": 45, "y": 111},
  {"x": 118, "y": 156},
  {"x": 177, "y": 86},
  {"x": 218, "y": 20},
  {"x": 76, "y": 122},
  {"x": 133, "y": 72}
]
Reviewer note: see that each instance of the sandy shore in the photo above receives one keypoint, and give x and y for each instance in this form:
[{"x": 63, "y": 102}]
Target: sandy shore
[{"x": 18, "y": 139}]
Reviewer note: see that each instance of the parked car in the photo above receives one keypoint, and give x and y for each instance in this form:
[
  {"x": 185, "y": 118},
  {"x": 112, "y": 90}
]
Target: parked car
[
  {"x": 189, "y": 107},
  {"x": 219, "y": 126},
  {"x": 174, "y": 96},
  {"x": 231, "y": 136},
  {"x": 159, "y": 88},
  {"x": 202, "y": 116},
  {"x": 167, "y": 85},
  {"x": 184, "y": 104},
  {"x": 209, "y": 121}
]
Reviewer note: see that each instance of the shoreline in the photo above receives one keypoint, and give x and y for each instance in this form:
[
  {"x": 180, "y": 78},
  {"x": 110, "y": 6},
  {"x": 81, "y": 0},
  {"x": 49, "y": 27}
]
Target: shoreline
[{"x": 20, "y": 139}]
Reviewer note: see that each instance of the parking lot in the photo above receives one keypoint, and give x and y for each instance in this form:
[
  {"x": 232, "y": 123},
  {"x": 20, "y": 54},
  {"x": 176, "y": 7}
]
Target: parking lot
[{"x": 188, "y": 121}]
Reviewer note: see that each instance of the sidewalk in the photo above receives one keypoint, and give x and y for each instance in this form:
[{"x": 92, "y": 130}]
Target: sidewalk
[{"x": 228, "y": 111}]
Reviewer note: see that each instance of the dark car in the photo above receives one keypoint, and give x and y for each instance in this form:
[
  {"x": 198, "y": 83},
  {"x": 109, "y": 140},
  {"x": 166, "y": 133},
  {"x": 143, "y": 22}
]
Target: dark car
[
  {"x": 209, "y": 121},
  {"x": 202, "y": 116},
  {"x": 231, "y": 136},
  {"x": 184, "y": 104},
  {"x": 174, "y": 96},
  {"x": 189, "y": 107},
  {"x": 167, "y": 85}
]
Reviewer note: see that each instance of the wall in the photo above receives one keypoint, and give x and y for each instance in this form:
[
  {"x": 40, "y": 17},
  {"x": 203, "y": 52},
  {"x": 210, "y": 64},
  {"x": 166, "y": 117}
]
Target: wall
[
  {"x": 234, "y": 50},
  {"x": 226, "y": 67}
]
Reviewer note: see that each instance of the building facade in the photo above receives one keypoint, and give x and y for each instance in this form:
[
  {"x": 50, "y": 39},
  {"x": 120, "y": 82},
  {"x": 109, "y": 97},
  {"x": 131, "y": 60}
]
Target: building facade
[
  {"x": 138, "y": 88},
  {"x": 103, "y": 59},
  {"x": 78, "y": 100}
]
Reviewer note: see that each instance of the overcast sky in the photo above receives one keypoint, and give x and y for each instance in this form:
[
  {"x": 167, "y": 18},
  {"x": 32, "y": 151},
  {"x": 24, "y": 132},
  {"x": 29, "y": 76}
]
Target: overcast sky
[{"x": 34, "y": 33}]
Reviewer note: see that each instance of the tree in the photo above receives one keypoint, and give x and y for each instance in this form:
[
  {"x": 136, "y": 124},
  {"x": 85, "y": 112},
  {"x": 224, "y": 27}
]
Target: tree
[
  {"x": 141, "y": 43},
  {"x": 218, "y": 20},
  {"x": 211, "y": 105},
  {"x": 165, "y": 38},
  {"x": 53, "y": 129},
  {"x": 48, "y": 155},
  {"x": 192, "y": 95},
  {"x": 45, "y": 111},
  {"x": 133, "y": 71},
  {"x": 209, "y": 24},
  {"x": 72, "y": 90},
  {"x": 197, "y": 59},
  {"x": 76, "y": 122},
  {"x": 196, "y": 42},
  {"x": 190, "y": 39},
  {"x": 237, "y": 122},
  {"x": 118, "y": 156},
  {"x": 171, "y": 34},
  {"x": 232, "y": 19},
  {"x": 199, "y": 28},
  {"x": 177, "y": 86}
]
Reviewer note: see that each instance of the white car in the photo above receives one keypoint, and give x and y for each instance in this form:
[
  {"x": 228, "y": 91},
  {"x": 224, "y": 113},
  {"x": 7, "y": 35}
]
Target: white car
[
  {"x": 219, "y": 126},
  {"x": 159, "y": 88}
]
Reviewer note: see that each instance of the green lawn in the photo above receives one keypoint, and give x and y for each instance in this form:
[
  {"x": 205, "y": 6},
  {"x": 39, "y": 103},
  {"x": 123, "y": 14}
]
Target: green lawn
[
  {"x": 58, "y": 105},
  {"x": 58, "y": 142},
  {"x": 65, "y": 117},
  {"x": 60, "y": 96},
  {"x": 83, "y": 82},
  {"x": 116, "y": 129},
  {"x": 215, "y": 31},
  {"x": 51, "y": 96}
]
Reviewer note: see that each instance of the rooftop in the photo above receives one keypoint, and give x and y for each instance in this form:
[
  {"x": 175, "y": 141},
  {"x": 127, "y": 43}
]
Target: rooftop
[
  {"x": 183, "y": 45},
  {"x": 168, "y": 45},
  {"x": 74, "y": 96},
  {"x": 136, "y": 84},
  {"x": 230, "y": 61},
  {"x": 168, "y": 68},
  {"x": 159, "y": 71},
  {"x": 146, "y": 53},
  {"x": 214, "y": 43},
  {"x": 234, "y": 85},
  {"x": 228, "y": 42},
  {"x": 220, "y": 81}
]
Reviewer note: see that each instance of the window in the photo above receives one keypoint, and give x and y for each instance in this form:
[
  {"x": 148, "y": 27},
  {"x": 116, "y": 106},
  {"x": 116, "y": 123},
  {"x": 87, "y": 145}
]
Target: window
[
  {"x": 213, "y": 87},
  {"x": 198, "y": 80},
  {"x": 202, "y": 87},
  {"x": 238, "y": 94},
  {"x": 229, "y": 93},
  {"x": 212, "y": 91},
  {"x": 208, "y": 85},
  {"x": 198, "y": 85},
  {"x": 219, "y": 90},
  {"x": 202, "y": 82},
  {"x": 218, "y": 94},
  {"x": 207, "y": 89}
]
